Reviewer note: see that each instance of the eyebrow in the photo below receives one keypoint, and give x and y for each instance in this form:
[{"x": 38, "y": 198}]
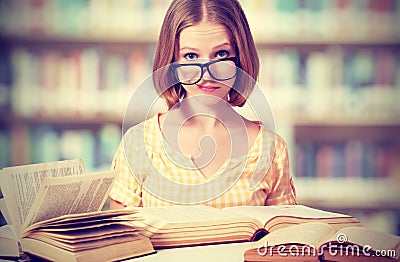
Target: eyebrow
[
  {"x": 189, "y": 48},
  {"x": 215, "y": 47},
  {"x": 222, "y": 45}
]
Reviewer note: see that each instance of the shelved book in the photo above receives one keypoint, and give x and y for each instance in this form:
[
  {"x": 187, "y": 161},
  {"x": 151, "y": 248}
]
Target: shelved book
[
  {"x": 352, "y": 158},
  {"x": 316, "y": 241},
  {"x": 194, "y": 225},
  {"x": 55, "y": 213},
  {"x": 129, "y": 19}
]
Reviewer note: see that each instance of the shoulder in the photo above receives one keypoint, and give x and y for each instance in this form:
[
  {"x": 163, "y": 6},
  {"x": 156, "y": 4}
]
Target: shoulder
[
  {"x": 271, "y": 144},
  {"x": 145, "y": 127},
  {"x": 143, "y": 134},
  {"x": 253, "y": 129},
  {"x": 280, "y": 150}
]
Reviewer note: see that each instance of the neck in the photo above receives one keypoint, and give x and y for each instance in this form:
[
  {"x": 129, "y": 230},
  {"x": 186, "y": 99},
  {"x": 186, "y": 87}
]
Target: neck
[{"x": 206, "y": 116}]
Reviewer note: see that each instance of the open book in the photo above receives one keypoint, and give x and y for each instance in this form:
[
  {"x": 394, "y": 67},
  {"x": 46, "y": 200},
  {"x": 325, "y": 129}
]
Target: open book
[
  {"x": 193, "y": 225},
  {"x": 37, "y": 195},
  {"x": 101, "y": 235},
  {"x": 317, "y": 241}
]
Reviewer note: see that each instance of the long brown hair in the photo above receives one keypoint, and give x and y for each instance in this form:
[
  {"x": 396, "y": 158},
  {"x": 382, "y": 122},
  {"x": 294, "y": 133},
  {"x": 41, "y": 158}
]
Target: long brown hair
[{"x": 185, "y": 13}]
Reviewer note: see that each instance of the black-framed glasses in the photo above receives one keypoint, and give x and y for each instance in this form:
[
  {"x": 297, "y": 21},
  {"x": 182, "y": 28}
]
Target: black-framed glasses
[{"x": 191, "y": 73}]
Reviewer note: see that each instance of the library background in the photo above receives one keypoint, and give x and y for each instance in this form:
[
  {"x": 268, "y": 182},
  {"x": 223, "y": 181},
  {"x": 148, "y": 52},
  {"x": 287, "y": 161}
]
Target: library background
[{"x": 329, "y": 69}]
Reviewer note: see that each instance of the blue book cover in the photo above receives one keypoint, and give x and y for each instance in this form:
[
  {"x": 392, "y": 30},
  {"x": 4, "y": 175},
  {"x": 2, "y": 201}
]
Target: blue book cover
[{"x": 6, "y": 79}]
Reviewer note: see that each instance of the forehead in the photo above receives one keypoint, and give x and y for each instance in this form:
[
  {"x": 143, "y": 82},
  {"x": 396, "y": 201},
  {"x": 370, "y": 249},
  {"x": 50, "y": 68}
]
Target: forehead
[{"x": 204, "y": 33}]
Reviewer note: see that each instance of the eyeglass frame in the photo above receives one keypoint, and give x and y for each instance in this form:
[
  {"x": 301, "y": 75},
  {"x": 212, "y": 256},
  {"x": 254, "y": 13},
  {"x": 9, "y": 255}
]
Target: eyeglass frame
[{"x": 205, "y": 65}]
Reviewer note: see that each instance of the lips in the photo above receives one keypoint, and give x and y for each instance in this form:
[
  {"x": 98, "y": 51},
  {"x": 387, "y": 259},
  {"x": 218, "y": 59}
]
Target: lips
[{"x": 207, "y": 89}]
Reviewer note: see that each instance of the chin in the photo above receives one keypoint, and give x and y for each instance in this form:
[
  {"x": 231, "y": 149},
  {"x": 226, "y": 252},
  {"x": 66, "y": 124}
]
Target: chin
[{"x": 208, "y": 100}]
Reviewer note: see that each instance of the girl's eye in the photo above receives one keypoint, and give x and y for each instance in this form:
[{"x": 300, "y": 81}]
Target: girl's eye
[
  {"x": 222, "y": 54},
  {"x": 190, "y": 56}
]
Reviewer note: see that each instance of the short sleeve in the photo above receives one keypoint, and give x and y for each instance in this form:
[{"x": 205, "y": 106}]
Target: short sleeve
[
  {"x": 126, "y": 189},
  {"x": 279, "y": 180}
]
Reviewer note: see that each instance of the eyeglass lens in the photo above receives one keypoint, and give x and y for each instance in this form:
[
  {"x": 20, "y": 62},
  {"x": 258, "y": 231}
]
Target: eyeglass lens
[{"x": 219, "y": 70}]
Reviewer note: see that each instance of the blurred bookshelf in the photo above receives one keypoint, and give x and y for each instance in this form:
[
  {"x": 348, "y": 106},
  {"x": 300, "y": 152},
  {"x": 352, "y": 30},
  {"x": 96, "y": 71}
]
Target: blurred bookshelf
[{"x": 330, "y": 70}]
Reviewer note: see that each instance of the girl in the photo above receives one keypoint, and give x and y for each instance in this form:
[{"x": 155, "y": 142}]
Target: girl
[{"x": 201, "y": 151}]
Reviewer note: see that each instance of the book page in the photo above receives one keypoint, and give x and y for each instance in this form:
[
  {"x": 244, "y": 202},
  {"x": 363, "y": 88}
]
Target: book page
[
  {"x": 182, "y": 217},
  {"x": 70, "y": 195},
  {"x": 7, "y": 232},
  {"x": 308, "y": 234},
  {"x": 83, "y": 220},
  {"x": 187, "y": 214},
  {"x": 191, "y": 215},
  {"x": 266, "y": 213},
  {"x": 8, "y": 242},
  {"x": 20, "y": 185},
  {"x": 368, "y": 237}
]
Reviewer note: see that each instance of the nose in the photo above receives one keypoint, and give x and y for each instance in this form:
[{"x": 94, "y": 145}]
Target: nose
[{"x": 206, "y": 74}]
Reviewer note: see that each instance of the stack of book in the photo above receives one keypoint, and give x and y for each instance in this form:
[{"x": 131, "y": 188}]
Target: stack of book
[{"x": 55, "y": 213}]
